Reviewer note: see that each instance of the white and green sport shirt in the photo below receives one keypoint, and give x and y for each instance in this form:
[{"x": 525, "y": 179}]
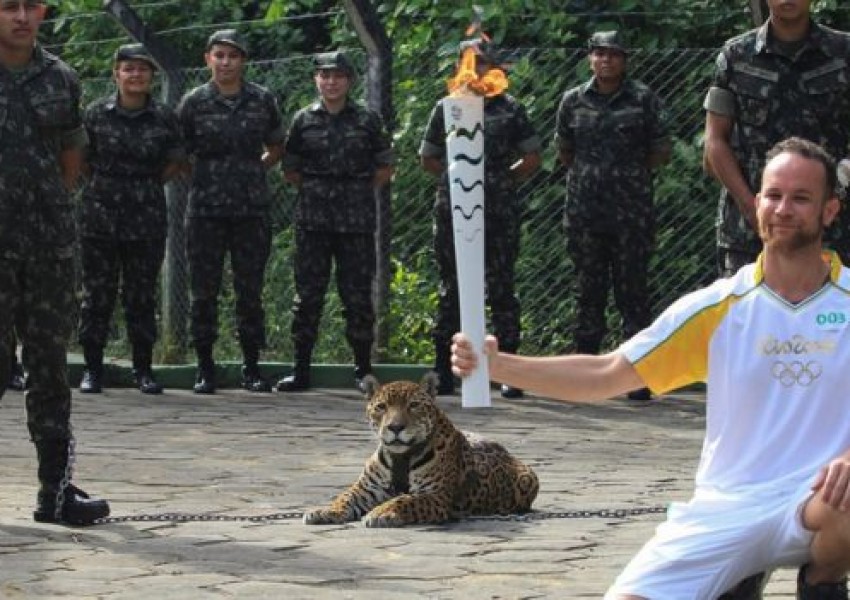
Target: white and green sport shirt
[{"x": 777, "y": 375}]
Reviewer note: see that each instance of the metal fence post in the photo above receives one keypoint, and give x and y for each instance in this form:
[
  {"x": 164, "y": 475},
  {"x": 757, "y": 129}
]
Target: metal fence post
[
  {"x": 378, "y": 46},
  {"x": 175, "y": 295}
]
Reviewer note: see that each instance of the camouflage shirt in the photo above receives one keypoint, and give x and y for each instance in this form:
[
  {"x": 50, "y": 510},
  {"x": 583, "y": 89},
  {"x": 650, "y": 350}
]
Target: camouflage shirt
[
  {"x": 772, "y": 93},
  {"x": 225, "y": 139},
  {"x": 609, "y": 184},
  {"x": 39, "y": 117},
  {"x": 508, "y": 136},
  {"x": 337, "y": 156},
  {"x": 128, "y": 151}
]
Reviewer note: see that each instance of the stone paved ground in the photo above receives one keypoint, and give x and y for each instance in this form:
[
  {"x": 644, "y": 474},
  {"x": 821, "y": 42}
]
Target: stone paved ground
[{"x": 253, "y": 455}]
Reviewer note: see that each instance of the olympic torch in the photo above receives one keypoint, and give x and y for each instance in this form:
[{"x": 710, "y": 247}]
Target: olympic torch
[{"x": 463, "y": 112}]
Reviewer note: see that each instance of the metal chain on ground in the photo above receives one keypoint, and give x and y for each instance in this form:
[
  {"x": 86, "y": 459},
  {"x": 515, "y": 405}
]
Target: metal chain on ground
[
  {"x": 603, "y": 513},
  {"x": 198, "y": 517}
]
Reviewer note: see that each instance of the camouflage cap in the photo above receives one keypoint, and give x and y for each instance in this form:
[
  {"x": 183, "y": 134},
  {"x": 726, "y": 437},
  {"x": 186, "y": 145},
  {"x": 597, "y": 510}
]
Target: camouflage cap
[
  {"x": 334, "y": 60},
  {"x": 607, "y": 39},
  {"x": 230, "y": 37},
  {"x": 134, "y": 52}
]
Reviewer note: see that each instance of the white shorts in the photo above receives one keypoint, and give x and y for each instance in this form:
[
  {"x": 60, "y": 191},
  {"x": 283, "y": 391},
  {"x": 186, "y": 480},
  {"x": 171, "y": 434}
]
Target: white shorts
[{"x": 706, "y": 546}]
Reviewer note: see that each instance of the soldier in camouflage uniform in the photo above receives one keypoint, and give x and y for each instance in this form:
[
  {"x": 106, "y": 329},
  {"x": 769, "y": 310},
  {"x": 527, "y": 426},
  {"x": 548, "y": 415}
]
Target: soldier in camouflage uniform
[
  {"x": 233, "y": 133},
  {"x": 789, "y": 77},
  {"x": 511, "y": 154},
  {"x": 337, "y": 153},
  {"x": 40, "y": 157},
  {"x": 610, "y": 134},
  {"x": 134, "y": 146}
]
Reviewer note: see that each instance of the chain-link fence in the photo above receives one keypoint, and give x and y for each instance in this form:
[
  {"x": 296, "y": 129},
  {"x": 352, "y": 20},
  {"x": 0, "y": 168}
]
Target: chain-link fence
[{"x": 685, "y": 199}]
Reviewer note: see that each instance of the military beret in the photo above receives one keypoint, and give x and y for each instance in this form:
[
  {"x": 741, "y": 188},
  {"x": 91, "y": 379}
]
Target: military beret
[
  {"x": 334, "y": 60},
  {"x": 134, "y": 52},
  {"x": 607, "y": 39},
  {"x": 230, "y": 37}
]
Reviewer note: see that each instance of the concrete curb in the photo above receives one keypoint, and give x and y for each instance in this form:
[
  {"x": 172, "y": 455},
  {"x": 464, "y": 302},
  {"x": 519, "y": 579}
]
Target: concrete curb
[{"x": 119, "y": 373}]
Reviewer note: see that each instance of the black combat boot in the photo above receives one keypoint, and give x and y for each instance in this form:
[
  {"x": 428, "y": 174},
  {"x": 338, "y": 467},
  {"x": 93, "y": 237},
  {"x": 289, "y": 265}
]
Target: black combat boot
[
  {"x": 443, "y": 368},
  {"x": 58, "y": 500},
  {"x": 205, "y": 379},
  {"x": 300, "y": 378},
  {"x": 362, "y": 362},
  {"x": 142, "y": 370},
  {"x": 251, "y": 378},
  {"x": 92, "y": 381}
]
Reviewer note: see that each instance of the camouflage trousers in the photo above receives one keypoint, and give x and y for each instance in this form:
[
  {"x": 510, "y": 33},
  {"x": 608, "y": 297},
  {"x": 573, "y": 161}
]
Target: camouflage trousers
[
  {"x": 37, "y": 302},
  {"x": 208, "y": 240},
  {"x": 134, "y": 265},
  {"x": 501, "y": 249},
  {"x": 353, "y": 255},
  {"x": 604, "y": 261}
]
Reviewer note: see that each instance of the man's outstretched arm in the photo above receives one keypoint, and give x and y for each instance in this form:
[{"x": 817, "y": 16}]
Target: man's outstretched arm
[{"x": 573, "y": 378}]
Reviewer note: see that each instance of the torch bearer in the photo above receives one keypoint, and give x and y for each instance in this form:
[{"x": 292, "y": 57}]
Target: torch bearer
[{"x": 463, "y": 112}]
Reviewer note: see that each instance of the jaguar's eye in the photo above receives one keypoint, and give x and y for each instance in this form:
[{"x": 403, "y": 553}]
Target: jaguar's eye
[
  {"x": 379, "y": 407},
  {"x": 415, "y": 405}
]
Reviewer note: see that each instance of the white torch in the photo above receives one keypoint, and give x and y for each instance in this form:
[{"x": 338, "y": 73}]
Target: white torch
[{"x": 463, "y": 112}]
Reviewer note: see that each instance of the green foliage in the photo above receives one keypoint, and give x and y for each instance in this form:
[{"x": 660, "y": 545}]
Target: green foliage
[
  {"x": 834, "y": 12},
  {"x": 413, "y": 304}
]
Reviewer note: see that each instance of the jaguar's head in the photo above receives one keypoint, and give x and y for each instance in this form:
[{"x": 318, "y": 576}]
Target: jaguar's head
[{"x": 402, "y": 413}]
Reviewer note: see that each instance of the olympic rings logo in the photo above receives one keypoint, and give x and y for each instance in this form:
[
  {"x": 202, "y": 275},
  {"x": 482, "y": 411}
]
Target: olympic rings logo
[{"x": 796, "y": 372}]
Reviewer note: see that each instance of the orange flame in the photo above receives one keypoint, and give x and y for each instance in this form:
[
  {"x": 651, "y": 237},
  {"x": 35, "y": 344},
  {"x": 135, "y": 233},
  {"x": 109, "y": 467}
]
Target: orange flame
[{"x": 467, "y": 80}]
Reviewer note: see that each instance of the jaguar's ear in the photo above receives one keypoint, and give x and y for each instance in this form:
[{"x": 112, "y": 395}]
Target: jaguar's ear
[
  {"x": 369, "y": 386},
  {"x": 429, "y": 383}
]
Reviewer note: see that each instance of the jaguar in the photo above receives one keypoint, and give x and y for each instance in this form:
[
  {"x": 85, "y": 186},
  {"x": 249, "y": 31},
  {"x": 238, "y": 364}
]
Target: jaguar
[{"x": 425, "y": 470}]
